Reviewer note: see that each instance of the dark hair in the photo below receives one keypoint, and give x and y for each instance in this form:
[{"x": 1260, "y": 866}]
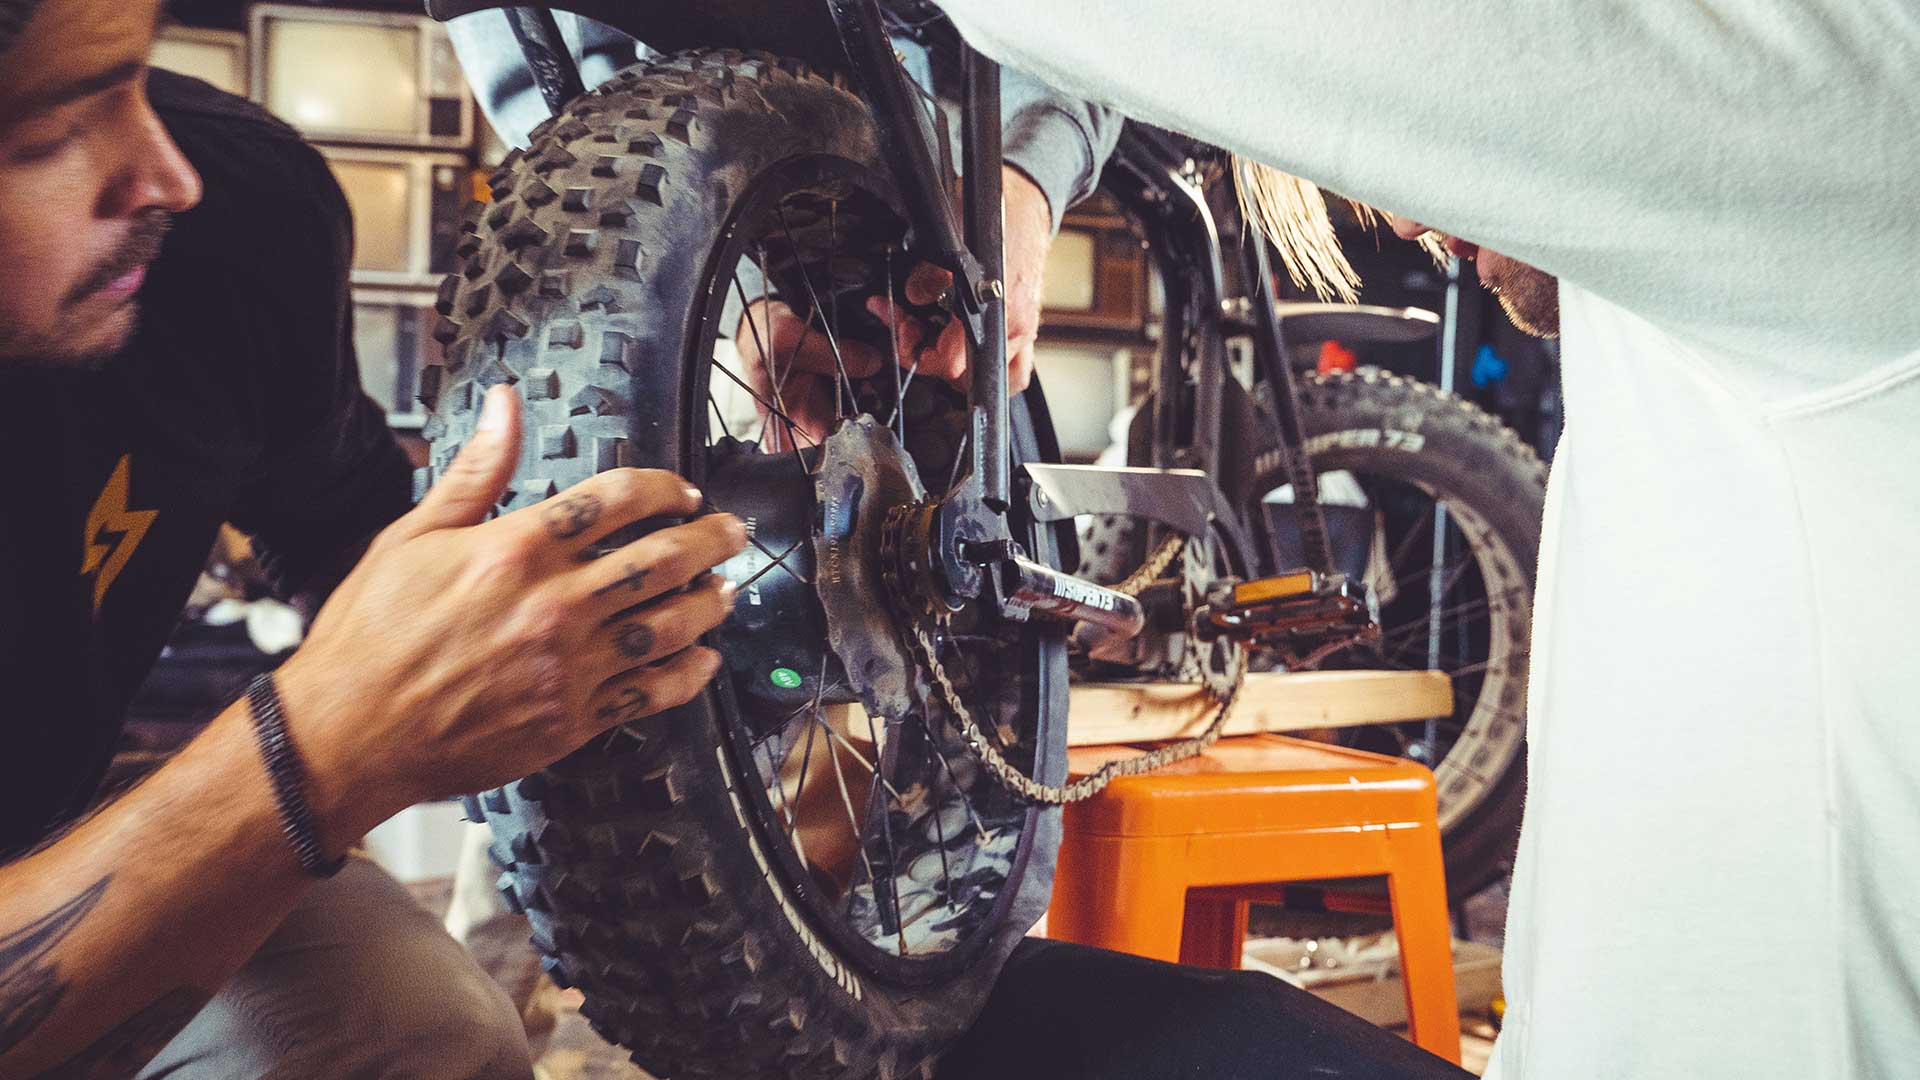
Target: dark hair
[{"x": 13, "y": 17}]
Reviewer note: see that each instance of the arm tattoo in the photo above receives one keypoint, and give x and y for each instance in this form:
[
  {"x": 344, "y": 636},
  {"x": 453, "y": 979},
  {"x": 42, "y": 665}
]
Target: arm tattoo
[
  {"x": 631, "y": 704},
  {"x": 634, "y": 580},
  {"x": 30, "y": 983},
  {"x": 133, "y": 1042},
  {"x": 570, "y": 516},
  {"x": 31, "y": 988},
  {"x": 634, "y": 639}
]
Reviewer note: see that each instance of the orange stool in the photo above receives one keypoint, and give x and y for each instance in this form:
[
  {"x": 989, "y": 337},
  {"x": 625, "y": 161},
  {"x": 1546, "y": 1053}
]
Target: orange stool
[{"x": 1163, "y": 865}]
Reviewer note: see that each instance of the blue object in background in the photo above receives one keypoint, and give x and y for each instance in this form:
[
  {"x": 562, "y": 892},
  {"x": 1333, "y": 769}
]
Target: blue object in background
[{"x": 1488, "y": 367}]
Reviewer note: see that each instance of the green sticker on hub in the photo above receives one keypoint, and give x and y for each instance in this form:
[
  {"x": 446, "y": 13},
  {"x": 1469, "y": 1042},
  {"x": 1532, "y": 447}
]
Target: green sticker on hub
[{"x": 785, "y": 678}]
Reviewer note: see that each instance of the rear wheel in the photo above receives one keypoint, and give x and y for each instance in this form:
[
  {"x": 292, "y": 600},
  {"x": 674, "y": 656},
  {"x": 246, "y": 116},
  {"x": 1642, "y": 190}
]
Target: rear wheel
[{"x": 804, "y": 872}]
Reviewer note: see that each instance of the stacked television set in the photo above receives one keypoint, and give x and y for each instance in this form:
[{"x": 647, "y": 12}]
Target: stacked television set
[{"x": 381, "y": 95}]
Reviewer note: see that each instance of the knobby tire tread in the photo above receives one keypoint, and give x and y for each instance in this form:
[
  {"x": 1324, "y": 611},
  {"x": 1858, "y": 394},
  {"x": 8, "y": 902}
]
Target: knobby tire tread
[{"x": 627, "y": 856}]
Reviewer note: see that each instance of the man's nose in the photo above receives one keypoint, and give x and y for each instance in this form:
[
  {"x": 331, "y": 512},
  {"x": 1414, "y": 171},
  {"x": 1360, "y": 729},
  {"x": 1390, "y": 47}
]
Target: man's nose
[{"x": 155, "y": 174}]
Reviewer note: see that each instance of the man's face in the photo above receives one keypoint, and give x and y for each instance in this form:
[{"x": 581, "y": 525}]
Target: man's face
[
  {"x": 88, "y": 180},
  {"x": 1530, "y": 297}
]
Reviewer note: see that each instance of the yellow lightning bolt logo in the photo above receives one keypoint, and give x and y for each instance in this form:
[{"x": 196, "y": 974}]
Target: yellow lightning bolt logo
[{"x": 108, "y": 518}]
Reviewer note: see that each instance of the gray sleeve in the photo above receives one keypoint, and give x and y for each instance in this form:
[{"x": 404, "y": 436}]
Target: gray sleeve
[
  {"x": 1060, "y": 143},
  {"x": 499, "y": 76}
]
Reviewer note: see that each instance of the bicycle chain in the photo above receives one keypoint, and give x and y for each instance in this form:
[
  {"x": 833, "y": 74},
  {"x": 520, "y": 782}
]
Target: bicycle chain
[{"x": 1026, "y": 787}]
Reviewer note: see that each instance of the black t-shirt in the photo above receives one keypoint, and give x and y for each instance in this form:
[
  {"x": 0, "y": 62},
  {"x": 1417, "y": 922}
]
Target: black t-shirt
[{"x": 238, "y": 400}]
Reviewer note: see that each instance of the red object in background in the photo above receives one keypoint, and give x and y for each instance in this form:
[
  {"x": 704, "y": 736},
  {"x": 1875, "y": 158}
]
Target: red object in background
[{"x": 1336, "y": 357}]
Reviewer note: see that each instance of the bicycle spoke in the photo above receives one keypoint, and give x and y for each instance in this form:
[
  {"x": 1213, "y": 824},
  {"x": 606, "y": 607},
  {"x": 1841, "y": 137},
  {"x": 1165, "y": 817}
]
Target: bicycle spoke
[
  {"x": 780, "y": 561},
  {"x": 1453, "y": 572},
  {"x": 720, "y": 416},
  {"x": 764, "y": 403},
  {"x": 832, "y": 317},
  {"x": 939, "y": 827},
  {"x": 833, "y": 342},
  {"x": 893, "y": 358},
  {"x": 1408, "y": 543},
  {"x": 853, "y": 819},
  {"x": 781, "y": 806},
  {"x": 777, "y": 374},
  {"x": 766, "y": 361},
  {"x": 1487, "y": 666},
  {"x": 978, "y": 825},
  {"x": 806, "y": 766},
  {"x": 960, "y": 459},
  {"x": 886, "y": 831},
  {"x": 1461, "y": 610}
]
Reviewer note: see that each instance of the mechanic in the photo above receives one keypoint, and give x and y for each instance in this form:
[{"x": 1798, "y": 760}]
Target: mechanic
[
  {"x": 455, "y": 655},
  {"x": 1723, "y": 760}
]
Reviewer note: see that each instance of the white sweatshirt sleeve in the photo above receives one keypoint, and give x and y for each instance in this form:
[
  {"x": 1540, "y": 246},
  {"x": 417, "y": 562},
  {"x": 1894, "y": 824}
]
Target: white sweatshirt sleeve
[{"x": 1740, "y": 171}]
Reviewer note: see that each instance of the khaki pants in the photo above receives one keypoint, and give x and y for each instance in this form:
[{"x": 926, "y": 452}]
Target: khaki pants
[{"x": 360, "y": 981}]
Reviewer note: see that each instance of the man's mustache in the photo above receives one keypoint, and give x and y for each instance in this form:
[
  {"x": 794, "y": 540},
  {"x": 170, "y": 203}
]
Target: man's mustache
[{"x": 140, "y": 247}]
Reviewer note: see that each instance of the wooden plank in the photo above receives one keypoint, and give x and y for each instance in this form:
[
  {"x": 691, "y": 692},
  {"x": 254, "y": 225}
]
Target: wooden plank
[{"x": 1108, "y": 713}]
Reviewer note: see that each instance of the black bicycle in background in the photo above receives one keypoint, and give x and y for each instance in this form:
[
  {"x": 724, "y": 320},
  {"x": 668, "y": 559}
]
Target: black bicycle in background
[
  {"x": 818, "y": 867},
  {"x": 1430, "y": 503}
]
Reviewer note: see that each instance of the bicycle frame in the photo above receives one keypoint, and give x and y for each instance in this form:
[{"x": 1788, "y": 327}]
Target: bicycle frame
[{"x": 851, "y": 36}]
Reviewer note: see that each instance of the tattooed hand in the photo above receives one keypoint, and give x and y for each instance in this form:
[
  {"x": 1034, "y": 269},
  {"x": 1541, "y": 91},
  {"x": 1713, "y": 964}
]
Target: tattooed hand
[
  {"x": 462, "y": 653},
  {"x": 567, "y": 516}
]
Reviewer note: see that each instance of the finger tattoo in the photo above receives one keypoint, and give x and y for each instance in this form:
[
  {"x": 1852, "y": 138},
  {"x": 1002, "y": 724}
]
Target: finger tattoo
[
  {"x": 634, "y": 580},
  {"x": 570, "y": 516},
  {"x": 629, "y": 705},
  {"x": 634, "y": 639}
]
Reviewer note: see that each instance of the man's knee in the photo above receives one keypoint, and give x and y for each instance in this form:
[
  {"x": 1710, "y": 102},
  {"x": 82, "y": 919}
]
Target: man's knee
[
  {"x": 446, "y": 1018},
  {"x": 358, "y": 981}
]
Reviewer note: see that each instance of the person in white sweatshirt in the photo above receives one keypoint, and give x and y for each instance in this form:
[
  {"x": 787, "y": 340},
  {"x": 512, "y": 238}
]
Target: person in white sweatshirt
[{"x": 1719, "y": 873}]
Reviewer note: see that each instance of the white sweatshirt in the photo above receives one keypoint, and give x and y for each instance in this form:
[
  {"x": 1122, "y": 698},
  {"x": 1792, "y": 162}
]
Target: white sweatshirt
[{"x": 1719, "y": 873}]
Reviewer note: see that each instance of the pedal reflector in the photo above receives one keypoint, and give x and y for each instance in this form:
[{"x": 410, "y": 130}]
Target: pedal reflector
[{"x": 1297, "y": 583}]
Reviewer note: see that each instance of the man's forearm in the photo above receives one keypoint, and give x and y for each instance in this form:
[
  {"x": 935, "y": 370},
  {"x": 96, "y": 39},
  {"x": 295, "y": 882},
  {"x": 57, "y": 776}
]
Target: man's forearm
[
  {"x": 1058, "y": 142},
  {"x": 114, "y": 936}
]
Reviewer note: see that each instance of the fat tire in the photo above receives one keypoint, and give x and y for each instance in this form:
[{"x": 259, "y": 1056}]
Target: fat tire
[
  {"x": 1469, "y": 456},
  {"x": 635, "y": 863}
]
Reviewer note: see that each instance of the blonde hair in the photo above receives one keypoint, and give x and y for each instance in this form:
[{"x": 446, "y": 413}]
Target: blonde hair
[{"x": 1292, "y": 213}]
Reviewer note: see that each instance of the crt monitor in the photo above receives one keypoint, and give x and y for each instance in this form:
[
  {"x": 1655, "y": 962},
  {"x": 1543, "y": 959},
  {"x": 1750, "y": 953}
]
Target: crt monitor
[
  {"x": 407, "y": 207},
  {"x": 218, "y": 57},
  {"x": 360, "y": 76}
]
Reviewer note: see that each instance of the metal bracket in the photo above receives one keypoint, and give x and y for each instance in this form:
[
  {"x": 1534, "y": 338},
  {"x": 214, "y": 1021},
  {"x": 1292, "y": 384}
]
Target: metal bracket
[{"x": 1186, "y": 500}]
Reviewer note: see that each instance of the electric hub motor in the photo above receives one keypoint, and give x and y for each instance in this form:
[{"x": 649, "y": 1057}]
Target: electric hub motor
[{"x": 816, "y": 619}]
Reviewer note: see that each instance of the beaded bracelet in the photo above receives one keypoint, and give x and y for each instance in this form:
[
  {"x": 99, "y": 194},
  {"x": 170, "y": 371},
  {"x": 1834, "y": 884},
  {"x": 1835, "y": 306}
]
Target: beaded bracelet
[{"x": 289, "y": 780}]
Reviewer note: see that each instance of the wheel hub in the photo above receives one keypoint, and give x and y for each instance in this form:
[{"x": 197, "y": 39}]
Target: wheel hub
[{"x": 815, "y": 621}]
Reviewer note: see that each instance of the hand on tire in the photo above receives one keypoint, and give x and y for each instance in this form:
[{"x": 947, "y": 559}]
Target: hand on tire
[
  {"x": 800, "y": 378},
  {"x": 462, "y": 653}
]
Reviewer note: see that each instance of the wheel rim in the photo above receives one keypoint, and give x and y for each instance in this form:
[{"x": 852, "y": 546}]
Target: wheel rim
[
  {"x": 900, "y": 849},
  {"x": 1477, "y": 635}
]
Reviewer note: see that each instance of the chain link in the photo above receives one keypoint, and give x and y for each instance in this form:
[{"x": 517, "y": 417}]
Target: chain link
[
  {"x": 1156, "y": 564},
  {"x": 1026, "y": 787}
]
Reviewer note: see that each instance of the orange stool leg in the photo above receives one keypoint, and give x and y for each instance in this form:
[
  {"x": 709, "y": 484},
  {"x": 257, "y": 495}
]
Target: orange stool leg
[
  {"x": 1127, "y": 894},
  {"x": 1214, "y": 932},
  {"x": 1418, "y": 888}
]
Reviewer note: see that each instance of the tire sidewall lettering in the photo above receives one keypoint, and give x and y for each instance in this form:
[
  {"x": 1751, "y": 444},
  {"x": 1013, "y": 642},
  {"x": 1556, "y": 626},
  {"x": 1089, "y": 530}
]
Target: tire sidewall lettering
[
  {"x": 1411, "y": 442},
  {"x": 829, "y": 962}
]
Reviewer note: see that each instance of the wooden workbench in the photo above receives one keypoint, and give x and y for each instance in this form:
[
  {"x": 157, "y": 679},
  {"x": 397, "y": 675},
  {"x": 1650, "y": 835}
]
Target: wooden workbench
[{"x": 1108, "y": 713}]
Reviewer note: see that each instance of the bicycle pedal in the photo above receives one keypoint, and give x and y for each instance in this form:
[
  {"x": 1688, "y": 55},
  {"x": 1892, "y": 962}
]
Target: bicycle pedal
[{"x": 1296, "y": 608}]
